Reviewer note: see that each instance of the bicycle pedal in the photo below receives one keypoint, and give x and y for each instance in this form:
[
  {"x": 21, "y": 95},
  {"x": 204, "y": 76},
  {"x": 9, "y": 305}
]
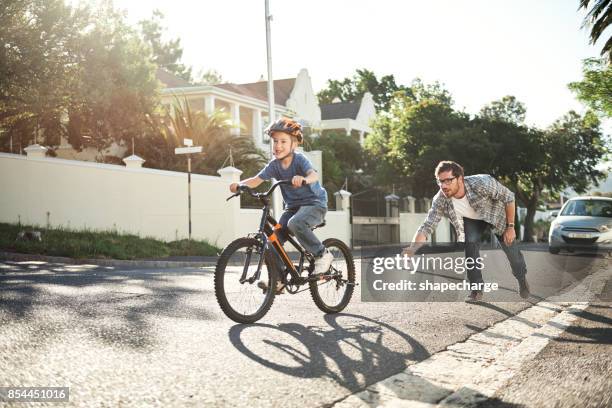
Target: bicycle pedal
[{"x": 263, "y": 286}]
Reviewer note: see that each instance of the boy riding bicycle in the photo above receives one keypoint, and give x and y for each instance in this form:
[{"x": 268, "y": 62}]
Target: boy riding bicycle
[{"x": 305, "y": 205}]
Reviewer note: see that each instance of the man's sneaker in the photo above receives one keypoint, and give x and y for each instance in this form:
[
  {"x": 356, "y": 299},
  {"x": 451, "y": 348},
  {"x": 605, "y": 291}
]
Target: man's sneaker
[
  {"x": 474, "y": 296},
  {"x": 323, "y": 262},
  {"x": 524, "y": 288},
  {"x": 280, "y": 288}
]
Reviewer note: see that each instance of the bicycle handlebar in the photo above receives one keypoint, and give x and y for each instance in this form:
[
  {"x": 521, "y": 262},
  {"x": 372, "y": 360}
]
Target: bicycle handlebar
[{"x": 249, "y": 190}]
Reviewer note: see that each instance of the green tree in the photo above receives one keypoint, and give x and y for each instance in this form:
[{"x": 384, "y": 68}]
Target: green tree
[
  {"x": 116, "y": 86},
  {"x": 73, "y": 72},
  {"x": 209, "y": 77},
  {"x": 352, "y": 89},
  {"x": 415, "y": 135},
  {"x": 165, "y": 55},
  {"x": 599, "y": 17},
  {"x": 595, "y": 90},
  {"x": 532, "y": 162},
  {"x": 37, "y": 67},
  {"x": 508, "y": 109},
  {"x": 342, "y": 157}
]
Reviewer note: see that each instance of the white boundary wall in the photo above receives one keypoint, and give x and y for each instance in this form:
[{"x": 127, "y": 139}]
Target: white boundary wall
[
  {"x": 410, "y": 223},
  {"x": 147, "y": 202}
]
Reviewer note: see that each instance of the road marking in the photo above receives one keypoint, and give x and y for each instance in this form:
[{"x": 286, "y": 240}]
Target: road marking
[{"x": 471, "y": 371}]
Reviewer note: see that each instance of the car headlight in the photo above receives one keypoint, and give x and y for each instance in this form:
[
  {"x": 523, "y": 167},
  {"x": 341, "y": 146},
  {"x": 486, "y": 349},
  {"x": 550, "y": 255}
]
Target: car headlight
[{"x": 555, "y": 227}]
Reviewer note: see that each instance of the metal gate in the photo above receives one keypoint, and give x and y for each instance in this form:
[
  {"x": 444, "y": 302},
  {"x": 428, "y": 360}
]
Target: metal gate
[{"x": 375, "y": 218}]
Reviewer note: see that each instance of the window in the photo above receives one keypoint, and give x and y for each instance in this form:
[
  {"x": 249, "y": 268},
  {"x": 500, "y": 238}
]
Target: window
[{"x": 589, "y": 208}]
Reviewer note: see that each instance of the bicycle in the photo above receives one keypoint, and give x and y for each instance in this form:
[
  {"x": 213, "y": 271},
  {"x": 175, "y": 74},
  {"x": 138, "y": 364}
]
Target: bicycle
[{"x": 250, "y": 260}]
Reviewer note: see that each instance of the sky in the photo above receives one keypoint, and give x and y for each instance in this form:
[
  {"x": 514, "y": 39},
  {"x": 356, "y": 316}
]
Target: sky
[{"x": 481, "y": 50}]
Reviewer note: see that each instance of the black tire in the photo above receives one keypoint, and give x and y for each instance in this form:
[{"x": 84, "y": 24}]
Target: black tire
[
  {"x": 319, "y": 289},
  {"x": 227, "y": 280},
  {"x": 553, "y": 250}
]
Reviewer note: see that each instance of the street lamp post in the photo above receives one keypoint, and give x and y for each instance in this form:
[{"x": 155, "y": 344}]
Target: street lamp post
[
  {"x": 271, "y": 115},
  {"x": 188, "y": 150}
]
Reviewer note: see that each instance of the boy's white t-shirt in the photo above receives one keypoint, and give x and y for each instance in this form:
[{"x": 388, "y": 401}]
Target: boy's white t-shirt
[{"x": 463, "y": 208}]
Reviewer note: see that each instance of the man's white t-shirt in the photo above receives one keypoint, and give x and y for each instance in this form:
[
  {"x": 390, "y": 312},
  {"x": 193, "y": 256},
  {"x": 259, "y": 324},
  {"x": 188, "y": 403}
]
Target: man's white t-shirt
[{"x": 463, "y": 209}]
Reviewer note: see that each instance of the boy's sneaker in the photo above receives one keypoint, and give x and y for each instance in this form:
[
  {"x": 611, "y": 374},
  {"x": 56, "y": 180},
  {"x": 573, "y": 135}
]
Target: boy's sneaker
[
  {"x": 280, "y": 288},
  {"x": 323, "y": 263}
]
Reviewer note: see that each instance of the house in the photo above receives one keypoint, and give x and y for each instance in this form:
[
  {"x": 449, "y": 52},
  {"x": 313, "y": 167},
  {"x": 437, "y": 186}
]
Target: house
[
  {"x": 351, "y": 117},
  {"x": 247, "y": 104}
]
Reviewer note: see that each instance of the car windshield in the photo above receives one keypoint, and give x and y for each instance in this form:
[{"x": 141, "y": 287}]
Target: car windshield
[{"x": 592, "y": 208}]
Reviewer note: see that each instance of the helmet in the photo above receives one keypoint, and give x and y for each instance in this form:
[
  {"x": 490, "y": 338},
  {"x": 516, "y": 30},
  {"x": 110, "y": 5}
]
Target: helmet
[{"x": 288, "y": 126}]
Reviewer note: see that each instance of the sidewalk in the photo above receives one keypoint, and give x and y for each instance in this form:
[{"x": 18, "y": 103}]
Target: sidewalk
[
  {"x": 169, "y": 262},
  {"x": 574, "y": 370}
]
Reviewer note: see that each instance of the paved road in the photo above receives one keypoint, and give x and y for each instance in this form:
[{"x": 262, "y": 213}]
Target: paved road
[{"x": 157, "y": 337}]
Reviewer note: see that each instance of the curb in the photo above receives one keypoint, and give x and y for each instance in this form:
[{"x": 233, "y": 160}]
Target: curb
[
  {"x": 137, "y": 263},
  {"x": 470, "y": 372}
]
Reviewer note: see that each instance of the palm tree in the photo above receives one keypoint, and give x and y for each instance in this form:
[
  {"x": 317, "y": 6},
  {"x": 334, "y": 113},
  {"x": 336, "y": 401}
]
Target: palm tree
[
  {"x": 212, "y": 132},
  {"x": 599, "y": 17}
]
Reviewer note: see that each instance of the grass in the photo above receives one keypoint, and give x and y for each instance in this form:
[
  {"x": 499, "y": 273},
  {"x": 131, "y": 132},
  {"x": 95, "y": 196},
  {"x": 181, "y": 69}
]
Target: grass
[{"x": 97, "y": 244}]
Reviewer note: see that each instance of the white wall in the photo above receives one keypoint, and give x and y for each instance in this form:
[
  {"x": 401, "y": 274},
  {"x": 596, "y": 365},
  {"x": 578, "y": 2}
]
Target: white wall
[
  {"x": 367, "y": 111},
  {"x": 410, "y": 223},
  {"x": 142, "y": 201},
  {"x": 101, "y": 196}
]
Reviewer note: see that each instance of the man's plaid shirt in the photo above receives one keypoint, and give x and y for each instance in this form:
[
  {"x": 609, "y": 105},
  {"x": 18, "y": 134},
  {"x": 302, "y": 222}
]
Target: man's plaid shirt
[{"x": 486, "y": 195}]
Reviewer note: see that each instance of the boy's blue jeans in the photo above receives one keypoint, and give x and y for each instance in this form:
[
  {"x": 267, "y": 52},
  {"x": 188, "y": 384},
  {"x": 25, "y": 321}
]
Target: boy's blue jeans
[
  {"x": 473, "y": 232},
  {"x": 300, "y": 221}
]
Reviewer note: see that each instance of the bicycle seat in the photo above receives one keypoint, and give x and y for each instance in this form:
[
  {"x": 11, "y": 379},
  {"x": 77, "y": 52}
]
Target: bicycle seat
[{"x": 321, "y": 225}]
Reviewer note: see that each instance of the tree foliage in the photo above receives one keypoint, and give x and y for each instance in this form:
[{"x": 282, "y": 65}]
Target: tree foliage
[
  {"x": 352, "y": 89},
  {"x": 342, "y": 158},
  {"x": 72, "y": 72},
  {"x": 599, "y": 18},
  {"x": 595, "y": 89},
  {"x": 165, "y": 54}
]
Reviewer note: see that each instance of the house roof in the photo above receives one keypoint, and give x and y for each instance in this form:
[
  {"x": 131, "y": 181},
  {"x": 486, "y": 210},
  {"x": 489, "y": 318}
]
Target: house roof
[
  {"x": 170, "y": 80},
  {"x": 259, "y": 90},
  {"x": 340, "y": 110}
]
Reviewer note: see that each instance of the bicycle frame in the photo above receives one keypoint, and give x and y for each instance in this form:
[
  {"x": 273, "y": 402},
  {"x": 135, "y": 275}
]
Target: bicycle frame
[{"x": 268, "y": 236}]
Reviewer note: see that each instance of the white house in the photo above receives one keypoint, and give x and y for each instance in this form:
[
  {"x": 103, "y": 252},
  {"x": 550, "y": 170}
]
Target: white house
[
  {"x": 351, "y": 117},
  {"x": 248, "y": 103}
]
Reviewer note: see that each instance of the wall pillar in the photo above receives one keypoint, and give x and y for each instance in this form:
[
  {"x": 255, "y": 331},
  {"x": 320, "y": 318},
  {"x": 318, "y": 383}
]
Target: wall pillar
[
  {"x": 235, "y": 112},
  {"x": 209, "y": 104},
  {"x": 36, "y": 151}
]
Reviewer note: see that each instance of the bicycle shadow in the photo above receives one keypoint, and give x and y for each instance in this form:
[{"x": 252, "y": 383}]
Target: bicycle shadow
[
  {"x": 354, "y": 354},
  {"x": 330, "y": 352}
]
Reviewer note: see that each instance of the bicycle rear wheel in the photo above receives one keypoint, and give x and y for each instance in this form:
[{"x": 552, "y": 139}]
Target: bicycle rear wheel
[
  {"x": 243, "y": 302},
  {"x": 334, "y": 290}
]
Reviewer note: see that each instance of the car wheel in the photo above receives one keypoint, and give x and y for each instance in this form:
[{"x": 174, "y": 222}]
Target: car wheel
[{"x": 553, "y": 250}]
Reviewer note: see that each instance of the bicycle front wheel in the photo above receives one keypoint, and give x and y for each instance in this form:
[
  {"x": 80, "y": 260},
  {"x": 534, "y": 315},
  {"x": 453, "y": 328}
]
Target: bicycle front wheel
[
  {"x": 334, "y": 290},
  {"x": 243, "y": 299}
]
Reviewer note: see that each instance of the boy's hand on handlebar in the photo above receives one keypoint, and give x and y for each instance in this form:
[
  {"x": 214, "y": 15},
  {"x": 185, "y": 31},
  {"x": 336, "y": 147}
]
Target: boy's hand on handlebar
[
  {"x": 298, "y": 181},
  {"x": 234, "y": 187}
]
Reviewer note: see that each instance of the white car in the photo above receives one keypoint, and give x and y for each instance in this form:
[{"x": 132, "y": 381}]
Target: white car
[{"x": 583, "y": 224}]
